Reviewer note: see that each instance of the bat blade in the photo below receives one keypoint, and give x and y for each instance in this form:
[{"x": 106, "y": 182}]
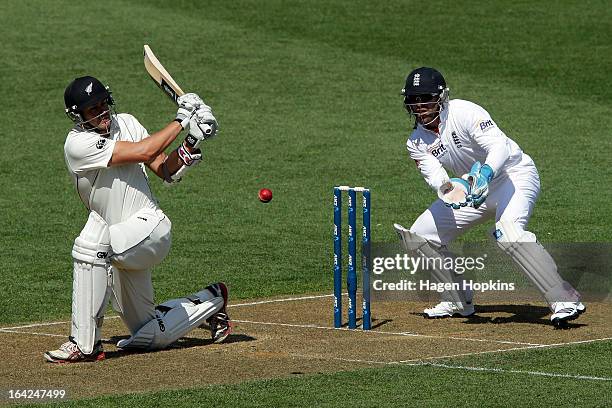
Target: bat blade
[{"x": 162, "y": 78}]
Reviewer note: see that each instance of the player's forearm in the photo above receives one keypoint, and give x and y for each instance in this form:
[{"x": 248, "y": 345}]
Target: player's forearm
[
  {"x": 172, "y": 162},
  {"x": 497, "y": 146},
  {"x": 498, "y": 155},
  {"x": 148, "y": 149},
  {"x": 159, "y": 141}
]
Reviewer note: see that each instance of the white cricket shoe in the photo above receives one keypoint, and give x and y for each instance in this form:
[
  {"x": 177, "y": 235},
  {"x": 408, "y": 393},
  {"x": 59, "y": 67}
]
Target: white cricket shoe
[
  {"x": 69, "y": 352},
  {"x": 563, "y": 312},
  {"x": 449, "y": 309}
]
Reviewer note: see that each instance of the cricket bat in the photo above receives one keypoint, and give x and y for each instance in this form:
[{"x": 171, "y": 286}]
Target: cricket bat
[
  {"x": 166, "y": 83},
  {"x": 162, "y": 78}
]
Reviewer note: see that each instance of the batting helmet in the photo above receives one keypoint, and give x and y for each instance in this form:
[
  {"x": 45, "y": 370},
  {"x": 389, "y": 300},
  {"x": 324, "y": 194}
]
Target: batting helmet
[{"x": 84, "y": 92}]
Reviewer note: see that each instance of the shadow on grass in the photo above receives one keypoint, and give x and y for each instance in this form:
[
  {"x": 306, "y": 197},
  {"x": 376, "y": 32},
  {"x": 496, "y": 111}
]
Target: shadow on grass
[
  {"x": 518, "y": 314},
  {"x": 376, "y": 323},
  {"x": 528, "y": 314},
  {"x": 182, "y": 343}
]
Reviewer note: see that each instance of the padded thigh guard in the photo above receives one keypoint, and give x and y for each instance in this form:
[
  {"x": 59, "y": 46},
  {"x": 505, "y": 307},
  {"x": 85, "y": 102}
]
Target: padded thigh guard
[
  {"x": 174, "y": 319},
  {"x": 535, "y": 262},
  {"x": 92, "y": 282},
  {"x": 142, "y": 241},
  {"x": 415, "y": 244}
]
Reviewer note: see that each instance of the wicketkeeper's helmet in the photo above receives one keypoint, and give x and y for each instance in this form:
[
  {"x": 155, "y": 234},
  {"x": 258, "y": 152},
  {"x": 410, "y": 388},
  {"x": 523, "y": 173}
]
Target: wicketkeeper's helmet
[{"x": 425, "y": 86}]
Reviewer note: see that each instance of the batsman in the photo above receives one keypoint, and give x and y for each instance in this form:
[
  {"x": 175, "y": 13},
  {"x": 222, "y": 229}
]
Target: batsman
[
  {"x": 500, "y": 182},
  {"x": 126, "y": 233}
]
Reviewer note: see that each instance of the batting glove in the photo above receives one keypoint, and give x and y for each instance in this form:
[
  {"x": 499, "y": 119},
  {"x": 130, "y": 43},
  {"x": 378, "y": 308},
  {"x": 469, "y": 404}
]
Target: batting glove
[
  {"x": 203, "y": 125},
  {"x": 189, "y": 158}
]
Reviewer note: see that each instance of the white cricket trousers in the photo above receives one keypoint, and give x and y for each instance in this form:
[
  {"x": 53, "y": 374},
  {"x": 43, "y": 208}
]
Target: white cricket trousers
[{"x": 511, "y": 197}]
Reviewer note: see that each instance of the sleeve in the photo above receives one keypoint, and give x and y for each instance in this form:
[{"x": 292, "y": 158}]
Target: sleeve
[
  {"x": 135, "y": 132},
  {"x": 87, "y": 151},
  {"x": 489, "y": 137},
  {"x": 431, "y": 169}
]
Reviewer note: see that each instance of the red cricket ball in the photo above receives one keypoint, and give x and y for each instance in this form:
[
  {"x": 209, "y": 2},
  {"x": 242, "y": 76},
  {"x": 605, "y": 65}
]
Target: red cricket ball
[{"x": 265, "y": 195}]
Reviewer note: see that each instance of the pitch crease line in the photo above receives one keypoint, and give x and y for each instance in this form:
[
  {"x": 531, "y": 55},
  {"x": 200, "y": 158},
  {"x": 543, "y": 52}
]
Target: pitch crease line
[
  {"x": 466, "y": 368},
  {"x": 260, "y": 302},
  {"x": 539, "y": 346},
  {"x": 34, "y": 333},
  {"x": 407, "y": 334}
]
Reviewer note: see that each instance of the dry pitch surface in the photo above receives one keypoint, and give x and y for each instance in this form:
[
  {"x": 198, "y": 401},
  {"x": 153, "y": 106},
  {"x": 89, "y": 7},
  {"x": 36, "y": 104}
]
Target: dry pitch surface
[{"x": 284, "y": 337}]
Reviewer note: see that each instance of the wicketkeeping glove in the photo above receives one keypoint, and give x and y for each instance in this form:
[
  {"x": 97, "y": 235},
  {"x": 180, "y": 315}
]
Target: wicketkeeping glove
[
  {"x": 454, "y": 193},
  {"x": 479, "y": 178}
]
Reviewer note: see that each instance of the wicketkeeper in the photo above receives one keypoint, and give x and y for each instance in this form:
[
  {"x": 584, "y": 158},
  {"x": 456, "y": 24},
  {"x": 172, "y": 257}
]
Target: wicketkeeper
[
  {"x": 501, "y": 182},
  {"x": 127, "y": 234}
]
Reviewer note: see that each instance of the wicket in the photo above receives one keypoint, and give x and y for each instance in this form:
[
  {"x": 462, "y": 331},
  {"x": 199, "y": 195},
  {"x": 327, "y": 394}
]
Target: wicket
[{"x": 352, "y": 254}]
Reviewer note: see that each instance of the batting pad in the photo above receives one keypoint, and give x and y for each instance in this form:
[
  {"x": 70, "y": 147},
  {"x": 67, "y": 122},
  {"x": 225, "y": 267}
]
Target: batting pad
[
  {"x": 92, "y": 280},
  {"x": 415, "y": 244},
  {"x": 174, "y": 319},
  {"x": 535, "y": 262}
]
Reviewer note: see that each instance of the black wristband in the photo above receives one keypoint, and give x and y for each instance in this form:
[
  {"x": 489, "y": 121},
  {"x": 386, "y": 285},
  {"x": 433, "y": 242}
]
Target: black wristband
[
  {"x": 180, "y": 122},
  {"x": 166, "y": 172}
]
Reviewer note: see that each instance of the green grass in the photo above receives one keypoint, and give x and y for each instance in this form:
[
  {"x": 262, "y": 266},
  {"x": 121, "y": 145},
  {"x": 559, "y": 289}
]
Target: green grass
[
  {"x": 306, "y": 94},
  {"x": 415, "y": 386}
]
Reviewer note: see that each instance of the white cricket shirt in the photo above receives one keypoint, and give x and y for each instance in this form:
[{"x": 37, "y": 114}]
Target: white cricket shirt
[
  {"x": 466, "y": 134},
  {"x": 115, "y": 192}
]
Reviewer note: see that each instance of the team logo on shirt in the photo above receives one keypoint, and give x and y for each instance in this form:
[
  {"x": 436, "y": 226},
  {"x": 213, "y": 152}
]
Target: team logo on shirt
[
  {"x": 101, "y": 143},
  {"x": 437, "y": 150},
  {"x": 456, "y": 140},
  {"x": 486, "y": 124}
]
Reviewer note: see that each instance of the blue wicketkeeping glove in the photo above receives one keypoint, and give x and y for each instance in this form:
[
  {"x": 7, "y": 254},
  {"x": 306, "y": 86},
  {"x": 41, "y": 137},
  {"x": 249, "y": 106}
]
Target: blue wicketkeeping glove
[{"x": 479, "y": 178}]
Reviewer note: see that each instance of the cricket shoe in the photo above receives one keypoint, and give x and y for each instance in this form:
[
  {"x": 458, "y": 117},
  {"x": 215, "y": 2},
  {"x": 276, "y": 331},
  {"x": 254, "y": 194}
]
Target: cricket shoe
[
  {"x": 563, "y": 312},
  {"x": 220, "y": 324},
  {"x": 69, "y": 352},
  {"x": 449, "y": 309}
]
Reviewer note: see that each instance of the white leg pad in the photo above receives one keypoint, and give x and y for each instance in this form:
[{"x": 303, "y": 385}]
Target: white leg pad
[
  {"x": 92, "y": 281},
  {"x": 535, "y": 262},
  {"x": 174, "y": 319},
  {"x": 414, "y": 243}
]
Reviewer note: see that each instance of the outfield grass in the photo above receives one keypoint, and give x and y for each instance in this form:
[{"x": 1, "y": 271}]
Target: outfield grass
[
  {"x": 307, "y": 96},
  {"x": 414, "y": 386}
]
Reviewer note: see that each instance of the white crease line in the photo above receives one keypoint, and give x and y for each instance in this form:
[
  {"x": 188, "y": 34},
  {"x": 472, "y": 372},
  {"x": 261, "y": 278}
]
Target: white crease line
[
  {"x": 37, "y": 334},
  {"x": 539, "y": 346},
  {"x": 502, "y": 370},
  {"x": 466, "y": 368},
  {"x": 261, "y": 302},
  {"x": 407, "y": 334}
]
